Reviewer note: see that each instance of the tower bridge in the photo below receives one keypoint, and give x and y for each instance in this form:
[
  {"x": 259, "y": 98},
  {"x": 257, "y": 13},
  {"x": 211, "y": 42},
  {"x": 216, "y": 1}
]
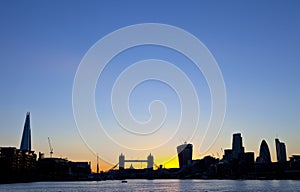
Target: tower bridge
[{"x": 122, "y": 161}]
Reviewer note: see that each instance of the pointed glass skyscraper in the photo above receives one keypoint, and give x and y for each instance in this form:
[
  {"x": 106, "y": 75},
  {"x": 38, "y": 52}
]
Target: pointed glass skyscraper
[{"x": 26, "y": 137}]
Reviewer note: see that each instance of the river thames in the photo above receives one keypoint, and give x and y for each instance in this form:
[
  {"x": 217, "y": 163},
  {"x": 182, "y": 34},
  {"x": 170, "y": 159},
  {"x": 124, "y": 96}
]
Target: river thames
[{"x": 156, "y": 185}]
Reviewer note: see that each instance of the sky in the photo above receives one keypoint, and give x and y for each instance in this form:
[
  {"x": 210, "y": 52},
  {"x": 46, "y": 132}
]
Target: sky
[{"x": 256, "y": 45}]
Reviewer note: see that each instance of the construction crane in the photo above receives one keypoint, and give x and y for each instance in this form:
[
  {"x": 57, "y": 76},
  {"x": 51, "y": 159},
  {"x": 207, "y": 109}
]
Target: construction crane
[{"x": 51, "y": 148}]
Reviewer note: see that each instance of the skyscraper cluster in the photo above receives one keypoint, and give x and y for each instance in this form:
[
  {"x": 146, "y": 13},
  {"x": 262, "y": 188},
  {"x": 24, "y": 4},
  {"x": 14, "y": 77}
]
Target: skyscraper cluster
[
  {"x": 264, "y": 152},
  {"x": 237, "y": 152}
]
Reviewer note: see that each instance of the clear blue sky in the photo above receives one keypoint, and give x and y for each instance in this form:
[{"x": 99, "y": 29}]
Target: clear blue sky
[{"x": 256, "y": 44}]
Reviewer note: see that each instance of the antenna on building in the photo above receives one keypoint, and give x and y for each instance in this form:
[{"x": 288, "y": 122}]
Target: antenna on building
[{"x": 50, "y": 147}]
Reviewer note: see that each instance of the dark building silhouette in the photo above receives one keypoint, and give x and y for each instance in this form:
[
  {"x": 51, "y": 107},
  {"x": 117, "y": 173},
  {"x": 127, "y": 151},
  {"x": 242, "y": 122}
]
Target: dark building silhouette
[
  {"x": 185, "y": 155},
  {"x": 264, "y": 153},
  {"x": 236, "y": 162},
  {"x": 80, "y": 170},
  {"x": 16, "y": 165},
  {"x": 295, "y": 162},
  {"x": 55, "y": 169},
  {"x": 21, "y": 165},
  {"x": 26, "y": 137},
  {"x": 205, "y": 168},
  {"x": 237, "y": 146},
  {"x": 295, "y": 158},
  {"x": 227, "y": 155},
  {"x": 280, "y": 151},
  {"x": 248, "y": 157}
]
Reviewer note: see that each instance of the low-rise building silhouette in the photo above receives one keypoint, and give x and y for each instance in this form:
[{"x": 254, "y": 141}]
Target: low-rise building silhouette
[
  {"x": 16, "y": 164},
  {"x": 53, "y": 169}
]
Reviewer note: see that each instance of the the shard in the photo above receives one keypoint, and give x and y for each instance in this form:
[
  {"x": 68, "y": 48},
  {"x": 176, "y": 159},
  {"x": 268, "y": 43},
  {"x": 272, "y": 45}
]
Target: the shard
[{"x": 26, "y": 137}]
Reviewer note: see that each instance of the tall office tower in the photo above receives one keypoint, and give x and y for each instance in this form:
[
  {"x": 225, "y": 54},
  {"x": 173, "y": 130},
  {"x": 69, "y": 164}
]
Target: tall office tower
[
  {"x": 237, "y": 146},
  {"x": 185, "y": 154},
  {"x": 26, "y": 137},
  {"x": 280, "y": 151},
  {"x": 264, "y": 153}
]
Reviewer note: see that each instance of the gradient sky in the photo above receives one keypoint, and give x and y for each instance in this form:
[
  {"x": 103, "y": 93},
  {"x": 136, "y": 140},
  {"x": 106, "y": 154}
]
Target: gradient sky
[{"x": 256, "y": 44}]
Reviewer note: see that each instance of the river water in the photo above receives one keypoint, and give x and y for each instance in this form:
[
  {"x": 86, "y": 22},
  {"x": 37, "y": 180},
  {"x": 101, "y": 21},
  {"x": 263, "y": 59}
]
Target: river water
[{"x": 156, "y": 185}]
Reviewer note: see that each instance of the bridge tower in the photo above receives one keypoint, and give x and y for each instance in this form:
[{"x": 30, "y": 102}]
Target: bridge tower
[
  {"x": 150, "y": 161},
  {"x": 121, "y": 162}
]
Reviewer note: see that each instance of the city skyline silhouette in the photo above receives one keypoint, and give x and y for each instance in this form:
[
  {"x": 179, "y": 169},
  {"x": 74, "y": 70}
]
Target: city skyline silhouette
[
  {"x": 23, "y": 165},
  {"x": 255, "y": 45}
]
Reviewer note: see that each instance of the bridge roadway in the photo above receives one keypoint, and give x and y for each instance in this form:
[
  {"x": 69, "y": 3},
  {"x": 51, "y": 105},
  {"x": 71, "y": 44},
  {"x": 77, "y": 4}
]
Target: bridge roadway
[{"x": 136, "y": 161}]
